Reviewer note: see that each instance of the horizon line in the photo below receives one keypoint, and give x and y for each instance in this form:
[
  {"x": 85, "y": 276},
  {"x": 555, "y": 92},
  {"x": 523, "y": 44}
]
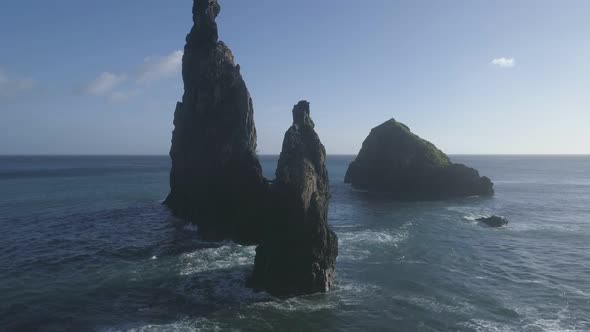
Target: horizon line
[{"x": 278, "y": 154}]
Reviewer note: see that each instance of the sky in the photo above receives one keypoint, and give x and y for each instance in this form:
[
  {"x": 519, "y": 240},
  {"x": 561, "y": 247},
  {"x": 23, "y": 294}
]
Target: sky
[{"x": 473, "y": 77}]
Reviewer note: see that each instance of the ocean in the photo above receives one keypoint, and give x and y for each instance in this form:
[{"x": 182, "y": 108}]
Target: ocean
[{"x": 85, "y": 245}]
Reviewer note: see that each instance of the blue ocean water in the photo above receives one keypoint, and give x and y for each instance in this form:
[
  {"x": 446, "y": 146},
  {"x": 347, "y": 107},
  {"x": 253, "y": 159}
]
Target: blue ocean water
[{"x": 85, "y": 245}]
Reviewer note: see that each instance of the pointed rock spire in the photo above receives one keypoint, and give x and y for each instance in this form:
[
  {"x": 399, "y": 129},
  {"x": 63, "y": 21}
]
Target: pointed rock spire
[
  {"x": 216, "y": 179},
  {"x": 299, "y": 254},
  {"x": 204, "y": 33}
]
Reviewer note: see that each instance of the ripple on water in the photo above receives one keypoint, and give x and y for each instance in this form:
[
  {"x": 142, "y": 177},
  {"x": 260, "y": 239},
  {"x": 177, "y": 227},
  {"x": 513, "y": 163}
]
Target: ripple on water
[
  {"x": 361, "y": 244},
  {"x": 430, "y": 304},
  {"x": 481, "y": 325},
  {"x": 183, "y": 325}
]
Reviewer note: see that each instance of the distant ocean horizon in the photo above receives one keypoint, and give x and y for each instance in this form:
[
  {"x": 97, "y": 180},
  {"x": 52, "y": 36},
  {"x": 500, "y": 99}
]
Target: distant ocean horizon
[
  {"x": 86, "y": 245},
  {"x": 276, "y": 154}
]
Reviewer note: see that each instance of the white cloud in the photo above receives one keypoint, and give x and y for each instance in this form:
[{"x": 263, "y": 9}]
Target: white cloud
[
  {"x": 160, "y": 67},
  {"x": 12, "y": 86},
  {"x": 154, "y": 68},
  {"x": 503, "y": 62},
  {"x": 104, "y": 84}
]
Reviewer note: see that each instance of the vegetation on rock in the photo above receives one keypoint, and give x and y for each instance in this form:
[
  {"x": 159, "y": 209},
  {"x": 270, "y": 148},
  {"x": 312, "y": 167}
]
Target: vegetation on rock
[{"x": 395, "y": 161}]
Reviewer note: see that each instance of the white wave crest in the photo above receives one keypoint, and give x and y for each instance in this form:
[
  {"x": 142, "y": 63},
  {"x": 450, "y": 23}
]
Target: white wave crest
[
  {"x": 480, "y": 325},
  {"x": 216, "y": 258}
]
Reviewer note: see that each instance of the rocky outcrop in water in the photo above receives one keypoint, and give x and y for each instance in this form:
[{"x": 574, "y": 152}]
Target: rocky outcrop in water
[
  {"x": 398, "y": 163},
  {"x": 493, "y": 221},
  {"x": 299, "y": 253},
  {"x": 216, "y": 179}
]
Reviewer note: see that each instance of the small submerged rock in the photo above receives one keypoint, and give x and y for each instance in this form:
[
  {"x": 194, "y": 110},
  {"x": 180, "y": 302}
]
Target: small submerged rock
[{"x": 493, "y": 221}]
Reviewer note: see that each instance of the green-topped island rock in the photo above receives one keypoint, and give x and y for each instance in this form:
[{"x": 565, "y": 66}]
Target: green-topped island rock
[{"x": 396, "y": 162}]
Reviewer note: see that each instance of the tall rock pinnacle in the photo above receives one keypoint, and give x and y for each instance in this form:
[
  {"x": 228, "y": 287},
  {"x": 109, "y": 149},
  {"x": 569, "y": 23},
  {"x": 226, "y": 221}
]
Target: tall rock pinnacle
[
  {"x": 299, "y": 255},
  {"x": 216, "y": 180}
]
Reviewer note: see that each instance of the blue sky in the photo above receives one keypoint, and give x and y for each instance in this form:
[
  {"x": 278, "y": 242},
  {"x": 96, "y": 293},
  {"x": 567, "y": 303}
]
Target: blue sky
[{"x": 102, "y": 77}]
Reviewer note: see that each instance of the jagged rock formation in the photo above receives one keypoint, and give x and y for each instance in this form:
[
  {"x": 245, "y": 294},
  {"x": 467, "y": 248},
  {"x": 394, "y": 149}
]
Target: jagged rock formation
[
  {"x": 493, "y": 221},
  {"x": 216, "y": 179},
  {"x": 299, "y": 253},
  {"x": 395, "y": 161}
]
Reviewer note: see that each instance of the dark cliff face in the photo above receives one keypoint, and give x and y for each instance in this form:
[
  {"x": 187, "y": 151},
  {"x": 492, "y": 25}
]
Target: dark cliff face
[
  {"x": 216, "y": 179},
  {"x": 395, "y": 161},
  {"x": 299, "y": 253}
]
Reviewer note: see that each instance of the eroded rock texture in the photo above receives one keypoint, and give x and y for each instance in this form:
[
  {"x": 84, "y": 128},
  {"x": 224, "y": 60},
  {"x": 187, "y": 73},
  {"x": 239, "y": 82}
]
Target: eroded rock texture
[
  {"x": 493, "y": 221},
  {"x": 298, "y": 254},
  {"x": 398, "y": 163},
  {"x": 216, "y": 179}
]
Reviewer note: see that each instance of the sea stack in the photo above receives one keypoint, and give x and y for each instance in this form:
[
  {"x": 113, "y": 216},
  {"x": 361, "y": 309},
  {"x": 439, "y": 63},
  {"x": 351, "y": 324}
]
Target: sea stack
[
  {"x": 298, "y": 255},
  {"x": 396, "y": 162},
  {"x": 216, "y": 179}
]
